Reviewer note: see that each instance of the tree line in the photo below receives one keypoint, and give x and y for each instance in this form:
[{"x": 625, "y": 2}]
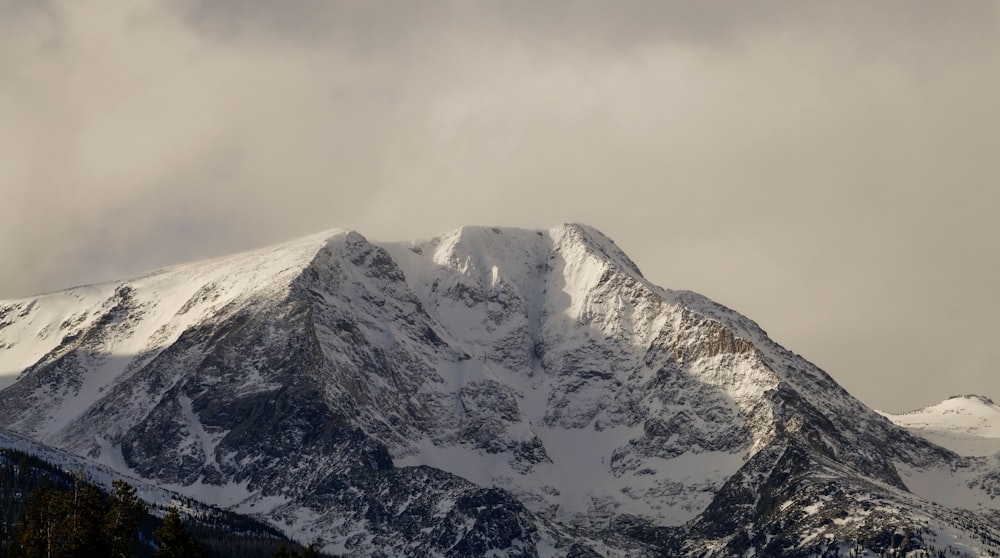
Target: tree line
[
  {"x": 83, "y": 522},
  {"x": 48, "y": 513}
]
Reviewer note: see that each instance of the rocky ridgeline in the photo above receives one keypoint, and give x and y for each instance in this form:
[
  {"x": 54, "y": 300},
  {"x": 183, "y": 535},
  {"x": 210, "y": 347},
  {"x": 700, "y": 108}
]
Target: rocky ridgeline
[{"x": 525, "y": 393}]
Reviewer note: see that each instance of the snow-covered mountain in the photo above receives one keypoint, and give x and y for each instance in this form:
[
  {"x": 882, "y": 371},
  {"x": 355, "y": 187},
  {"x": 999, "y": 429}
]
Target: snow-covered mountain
[
  {"x": 965, "y": 424},
  {"x": 520, "y": 392}
]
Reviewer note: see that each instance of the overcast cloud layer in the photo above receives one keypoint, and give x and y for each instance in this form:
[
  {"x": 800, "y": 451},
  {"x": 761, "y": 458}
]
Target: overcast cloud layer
[{"x": 829, "y": 169}]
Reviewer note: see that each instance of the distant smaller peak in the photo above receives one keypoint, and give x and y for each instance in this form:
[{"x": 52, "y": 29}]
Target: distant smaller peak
[
  {"x": 972, "y": 397},
  {"x": 953, "y": 403}
]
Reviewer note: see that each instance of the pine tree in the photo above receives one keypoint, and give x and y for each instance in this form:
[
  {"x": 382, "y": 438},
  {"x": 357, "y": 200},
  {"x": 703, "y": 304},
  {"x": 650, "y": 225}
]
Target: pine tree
[
  {"x": 121, "y": 523},
  {"x": 173, "y": 539},
  {"x": 81, "y": 529},
  {"x": 37, "y": 531}
]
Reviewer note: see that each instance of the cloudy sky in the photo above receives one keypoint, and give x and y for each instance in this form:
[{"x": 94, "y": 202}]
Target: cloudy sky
[{"x": 831, "y": 170}]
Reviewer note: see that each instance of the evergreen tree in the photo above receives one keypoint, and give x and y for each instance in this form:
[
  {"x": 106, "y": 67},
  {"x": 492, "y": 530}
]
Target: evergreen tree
[
  {"x": 81, "y": 529},
  {"x": 173, "y": 539},
  {"x": 121, "y": 523},
  {"x": 37, "y": 531},
  {"x": 58, "y": 524}
]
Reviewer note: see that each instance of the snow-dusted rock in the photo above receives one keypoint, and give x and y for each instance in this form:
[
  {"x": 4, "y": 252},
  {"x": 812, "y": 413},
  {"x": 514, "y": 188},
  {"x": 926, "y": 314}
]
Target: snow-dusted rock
[{"x": 522, "y": 392}]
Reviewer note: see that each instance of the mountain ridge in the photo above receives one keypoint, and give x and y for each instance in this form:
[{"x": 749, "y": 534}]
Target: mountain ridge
[{"x": 536, "y": 372}]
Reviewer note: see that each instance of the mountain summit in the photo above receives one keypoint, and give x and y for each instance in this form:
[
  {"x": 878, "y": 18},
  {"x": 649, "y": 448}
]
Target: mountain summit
[
  {"x": 965, "y": 424},
  {"x": 490, "y": 391}
]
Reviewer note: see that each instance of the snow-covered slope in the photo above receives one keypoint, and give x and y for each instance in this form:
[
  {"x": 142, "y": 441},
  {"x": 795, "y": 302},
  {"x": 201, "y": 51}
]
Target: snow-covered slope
[
  {"x": 113, "y": 328},
  {"x": 968, "y": 425},
  {"x": 558, "y": 327},
  {"x": 965, "y": 424},
  {"x": 99, "y": 475},
  {"x": 522, "y": 392}
]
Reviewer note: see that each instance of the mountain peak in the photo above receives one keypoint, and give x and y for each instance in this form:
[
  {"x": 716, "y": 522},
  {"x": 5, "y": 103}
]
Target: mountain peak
[
  {"x": 599, "y": 242},
  {"x": 965, "y": 403},
  {"x": 332, "y": 383},
  {"x": 973, "y": 398},
  {"x": 481, "y": 239},
  {"x": 965, "y": 424}
]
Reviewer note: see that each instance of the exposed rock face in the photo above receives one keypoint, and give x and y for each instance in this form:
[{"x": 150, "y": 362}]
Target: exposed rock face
[{"x": 491, "y": 390}]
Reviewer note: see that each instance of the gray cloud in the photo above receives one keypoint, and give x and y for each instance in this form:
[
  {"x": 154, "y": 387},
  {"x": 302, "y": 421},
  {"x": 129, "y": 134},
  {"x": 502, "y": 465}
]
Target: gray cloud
[{"x": 828, "y": 169}]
